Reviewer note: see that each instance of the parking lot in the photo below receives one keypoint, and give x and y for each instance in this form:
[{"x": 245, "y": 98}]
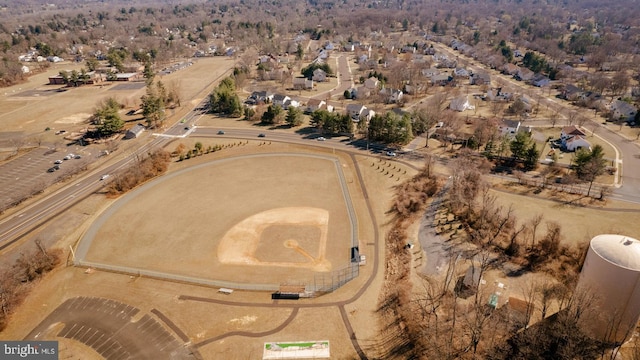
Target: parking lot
[
  {"x": 110, "y": 328},
  {"x": 28, "y": 173}
]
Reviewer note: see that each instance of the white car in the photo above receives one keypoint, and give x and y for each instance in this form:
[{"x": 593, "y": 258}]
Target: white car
[
  {"x": 104, "y": 177},
  {"x": 391, "y": 153},
  {"x": 321, "y": 138}
]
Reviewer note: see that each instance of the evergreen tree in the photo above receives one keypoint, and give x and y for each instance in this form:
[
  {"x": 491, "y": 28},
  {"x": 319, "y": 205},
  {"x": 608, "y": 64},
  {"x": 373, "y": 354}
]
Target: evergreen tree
[{"x": 294, "y": 116}]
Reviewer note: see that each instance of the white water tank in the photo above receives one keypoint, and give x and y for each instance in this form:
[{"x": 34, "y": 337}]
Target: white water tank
[{"x": 609, "y": 286}]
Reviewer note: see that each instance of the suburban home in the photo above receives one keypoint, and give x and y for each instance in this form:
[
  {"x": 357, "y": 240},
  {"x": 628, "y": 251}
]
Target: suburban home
[
  {"x": 461, "y": 103},
  {"x": 355, "y": 110},
  {"x": 279, "y": 99},
  {"x": 568, "y": 132},
  {"x": 461, "y": 72},
  {"x": 572, "y": 93},
  {"x": 362, "y": 92},
  {"x": 510, "y": 69},
  {"x": 372, "y": 83},
  {"x": 290, "y": 103},
  {"x": 509, "y": 127},
  {"x": 366, "y": 115},
  {"x": 480, "y": 78},
  {"x": 576, "y": 142},
  {"x": 413, "y": 89},
  {"x": 524, "y": 74},
  {"x": 391, "y": 95},
  {"x": 540, "y": 80},
  {"x": 430, "y": 72},
  {"x": 302, "y": 83},
  {"x": 572, "y": 138},
  {"x": 319, "y": 75},
  {"x": 135, "y": 131},
  {"x": 441, "y": 79},
  {"x": 317, "y": 104},
  {"x": 261, "y": 96},
  {"x": 496, "y": 94},
  {"x": 621, "y": 110}
]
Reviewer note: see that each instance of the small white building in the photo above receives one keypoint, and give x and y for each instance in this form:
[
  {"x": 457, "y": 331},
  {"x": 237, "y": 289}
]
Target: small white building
[
  {"x": 461, "y": 103},
  {"x": 509, "y": 127}
]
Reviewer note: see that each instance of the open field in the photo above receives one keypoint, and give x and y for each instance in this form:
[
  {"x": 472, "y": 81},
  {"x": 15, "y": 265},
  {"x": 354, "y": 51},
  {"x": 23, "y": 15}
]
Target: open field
[
  {"x": 234, "y": 220},
  {"x": 27, "y": 109}
]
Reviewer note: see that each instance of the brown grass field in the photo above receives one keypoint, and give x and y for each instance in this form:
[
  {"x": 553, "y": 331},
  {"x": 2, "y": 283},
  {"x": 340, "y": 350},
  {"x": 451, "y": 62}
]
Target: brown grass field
[{"x": 238, "y": 219}]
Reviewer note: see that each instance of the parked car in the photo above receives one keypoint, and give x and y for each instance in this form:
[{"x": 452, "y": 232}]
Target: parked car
[
  {"x": 391, "y": 153},
  {"x": 58, "y": 161},
  {"x": 78, "y": 157},
  {"x": 321, "y": 138}
]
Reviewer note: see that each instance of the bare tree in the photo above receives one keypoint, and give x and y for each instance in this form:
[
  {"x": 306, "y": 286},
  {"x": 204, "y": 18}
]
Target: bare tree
[{"x": 534, "y": 223}]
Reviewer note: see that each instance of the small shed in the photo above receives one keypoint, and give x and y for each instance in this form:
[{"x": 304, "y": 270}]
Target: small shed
[{"x": 134, "y": 132}]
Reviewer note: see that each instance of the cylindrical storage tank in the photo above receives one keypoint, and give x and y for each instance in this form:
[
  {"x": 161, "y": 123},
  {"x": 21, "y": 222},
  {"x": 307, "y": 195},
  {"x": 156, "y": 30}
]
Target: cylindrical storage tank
[{"x": 608, "y": 288}]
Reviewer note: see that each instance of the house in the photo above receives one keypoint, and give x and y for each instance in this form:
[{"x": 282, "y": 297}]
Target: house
[
  {"x": 319, "y": 75},
  {"x": 279, "y": 99},
  {"x": 480, "y": 78},
  {"x": 362, "y": 92},
  {"x": 497, "y": 94},
  {"x": 572, "y": 93},
  {"x": 408, "y": 49},
  {"x": 441, "y": 79},
  {"x": 302, "y": 83},
  {"x": 572, "y": 138},
  {"x": 317, "y": 104},
  {"x": 568, "y": 132},
  {"x": 461, "y": 103},
  {"x": 621, "y": 110},
  {"x": 366, "y": 115},
  {"x": 510, "y": 69},
  {"x": 509, "y": 127},
  {"x": 261, "y": 96},
  {"x": 372, "y": 83},
  {"x": 134, "y": 132},
  {"x": 524, "y": 74},
  {"x": 355, "y": 110},
  {"x": 430, "y": 72},
  {"x": 575, "y": 143},
  {"x": 461, "y": 72},
  {"x": 391, "y": 95},
  {"x": 540, "y": 80},
  {"x": 290, "y": 103}
]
